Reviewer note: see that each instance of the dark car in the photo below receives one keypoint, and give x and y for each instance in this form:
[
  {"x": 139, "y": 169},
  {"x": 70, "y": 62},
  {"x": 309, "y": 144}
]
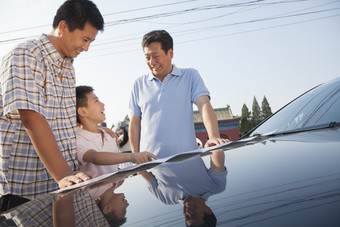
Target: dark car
[{"x": 285, "y": 172}]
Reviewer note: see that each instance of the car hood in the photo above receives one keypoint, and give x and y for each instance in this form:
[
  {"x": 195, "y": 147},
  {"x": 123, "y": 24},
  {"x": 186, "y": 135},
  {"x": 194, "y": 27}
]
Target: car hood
[{"x": 286, "y": 180}]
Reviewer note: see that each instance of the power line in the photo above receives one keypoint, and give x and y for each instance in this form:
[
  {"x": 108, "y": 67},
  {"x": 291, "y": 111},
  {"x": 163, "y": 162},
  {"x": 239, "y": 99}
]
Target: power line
[
  {"x": 115, "y": 13},
  {"x": 260, "y": 29},
  {"x": 197, "y": 21},
  {"x": 236, "y": 23},
  {"x": 179, "y": 12},
  {"x": 16, "y": 39},
  {"x": 155, "y": 16},
  {"x": 261, "y": 20},
  {"x": 223, "y": 35},
  {"x": 244, "y": 5},
  {"x": 24, "y": 29},
  {"x": 149, "y": 7},
  {"x": 108, "y": 24}
]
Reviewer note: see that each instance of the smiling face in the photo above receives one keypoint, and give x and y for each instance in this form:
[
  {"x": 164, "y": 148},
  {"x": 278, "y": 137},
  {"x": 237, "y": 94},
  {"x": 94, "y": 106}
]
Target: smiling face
[
  {"x": 157, "y": 60},
  {"x": 73, "y": 43},
  {"x": 94, "y": 110}
]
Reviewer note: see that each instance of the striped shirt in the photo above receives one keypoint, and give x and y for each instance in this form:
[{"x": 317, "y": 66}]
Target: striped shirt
[{"x": 30, "y": 78}]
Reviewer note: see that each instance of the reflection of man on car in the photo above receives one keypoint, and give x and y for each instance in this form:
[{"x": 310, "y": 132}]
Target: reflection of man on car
[
  {"x": 189, "y": 183},
  {"x": 112, "y": 205},
  {"x": 76, "y": 208}
]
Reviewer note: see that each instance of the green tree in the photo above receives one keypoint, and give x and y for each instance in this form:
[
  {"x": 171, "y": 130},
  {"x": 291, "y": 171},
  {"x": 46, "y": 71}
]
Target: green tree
[
  {"x": 266, "y": 110},
  {"x": 245, "y": 124},
  {"x": 256, "y": 113}
]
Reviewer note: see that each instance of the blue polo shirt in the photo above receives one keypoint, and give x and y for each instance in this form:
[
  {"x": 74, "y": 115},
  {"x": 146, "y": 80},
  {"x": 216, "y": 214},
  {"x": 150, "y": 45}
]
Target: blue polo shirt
[
  {"x": 166, "y": 110},
  {"x": 173, "y": 182}
]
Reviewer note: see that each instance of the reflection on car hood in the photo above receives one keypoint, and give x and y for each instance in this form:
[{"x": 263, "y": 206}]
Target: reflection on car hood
[
  {"x": 285, "y": 180},
  {"x": 289, "y": 180}
]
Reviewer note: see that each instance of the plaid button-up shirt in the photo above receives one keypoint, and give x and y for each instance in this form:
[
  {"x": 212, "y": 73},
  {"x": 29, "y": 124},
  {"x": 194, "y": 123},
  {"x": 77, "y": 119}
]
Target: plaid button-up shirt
[
  {"x": 34, "y": 77},
  {"x": 39, "y": 212}
]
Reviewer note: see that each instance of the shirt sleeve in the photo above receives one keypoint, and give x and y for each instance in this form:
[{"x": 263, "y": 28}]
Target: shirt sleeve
[
  {"x": 133, "y": 103},
  {"x": 220, "y": 180},
  {"x": 21, "y": 84},
  {"x": 198, "y": 87},
  {"x": 157, "y": 191},
  {"x": 82, "y": 148}
]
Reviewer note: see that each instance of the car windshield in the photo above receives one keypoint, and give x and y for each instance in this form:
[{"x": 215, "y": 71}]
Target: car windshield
[{"x": 316, "y": 107}]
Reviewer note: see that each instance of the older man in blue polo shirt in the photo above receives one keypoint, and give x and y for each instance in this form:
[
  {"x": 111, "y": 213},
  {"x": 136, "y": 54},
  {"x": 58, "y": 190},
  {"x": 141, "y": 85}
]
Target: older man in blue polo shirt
[{"x": 161, "y": 103}]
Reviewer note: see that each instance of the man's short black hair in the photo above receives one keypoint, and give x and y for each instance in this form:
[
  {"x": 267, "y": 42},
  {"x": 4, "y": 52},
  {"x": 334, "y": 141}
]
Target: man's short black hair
[
  {"x": 161, "y": 36},
  {"x": 77, "y": 13},
  {"x": 209, "y": 220}
]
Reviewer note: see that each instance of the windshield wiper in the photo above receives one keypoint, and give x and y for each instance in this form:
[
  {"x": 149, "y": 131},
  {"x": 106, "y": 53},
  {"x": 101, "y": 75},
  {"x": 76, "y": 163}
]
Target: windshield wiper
[{"x": 307, "y": 129}]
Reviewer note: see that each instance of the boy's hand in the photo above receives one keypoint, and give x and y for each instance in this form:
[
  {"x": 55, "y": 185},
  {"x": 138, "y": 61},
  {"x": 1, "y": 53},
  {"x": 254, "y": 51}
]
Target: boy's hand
[
  {"x": 74, "y": 178},
  {"x": 142, "y": 157}
]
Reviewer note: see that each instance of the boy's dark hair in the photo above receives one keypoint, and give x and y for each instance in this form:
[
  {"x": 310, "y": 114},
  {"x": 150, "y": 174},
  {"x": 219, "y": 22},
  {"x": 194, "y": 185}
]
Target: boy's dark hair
[
  {"x": 77, "y": 13},
  {"x": 209, "y": 220},
  {"x": 161, "y": 36},
  {"x": 111, "y": 217},
  {"x": 81, "y": 101}
]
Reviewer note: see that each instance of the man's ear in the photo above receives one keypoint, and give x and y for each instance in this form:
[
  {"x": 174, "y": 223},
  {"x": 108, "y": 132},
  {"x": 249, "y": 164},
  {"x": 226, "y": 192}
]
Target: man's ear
[
  {"x": 171, "y": 53},
  {"x": 62, "y": 27},
  {"x": 207, "y": 209}
]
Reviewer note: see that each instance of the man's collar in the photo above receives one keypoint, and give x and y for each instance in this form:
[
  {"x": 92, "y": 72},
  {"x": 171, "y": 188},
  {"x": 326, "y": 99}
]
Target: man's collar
[
  {"x": 175, "y": 72},
  {"x": 54, "y": 56}
]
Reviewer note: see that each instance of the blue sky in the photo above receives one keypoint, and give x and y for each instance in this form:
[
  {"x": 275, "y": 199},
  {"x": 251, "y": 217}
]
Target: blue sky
[{"x": 242, "y": 49}]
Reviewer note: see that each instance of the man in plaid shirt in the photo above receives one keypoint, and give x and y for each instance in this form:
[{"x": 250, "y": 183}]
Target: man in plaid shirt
[{"x": 38, "y": 106}]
